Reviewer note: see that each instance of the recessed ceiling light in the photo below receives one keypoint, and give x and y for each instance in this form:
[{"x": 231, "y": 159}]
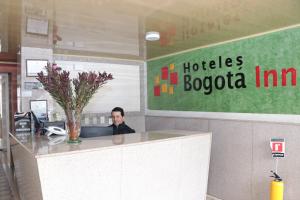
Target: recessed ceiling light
[{"x": 152, "y": 36}]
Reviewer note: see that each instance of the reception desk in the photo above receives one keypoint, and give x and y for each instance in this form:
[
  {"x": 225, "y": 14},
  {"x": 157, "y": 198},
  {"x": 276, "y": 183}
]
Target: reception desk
[{"x": 160, "y": 165}]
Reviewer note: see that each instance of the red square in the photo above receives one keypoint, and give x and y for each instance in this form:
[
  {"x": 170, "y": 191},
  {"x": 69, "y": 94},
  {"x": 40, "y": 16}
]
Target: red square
[
  {"x": 172, "y": 30},
  {"x": 277, "y": 147},
  {"x": 174, "y": 78},
  {"x": 164, "y": 39},
  {"x": 164, "y": 73},
  {"x": 157, "y": 90}
]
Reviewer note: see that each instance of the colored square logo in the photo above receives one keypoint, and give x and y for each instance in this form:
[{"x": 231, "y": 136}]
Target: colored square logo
[{"x": 165, "y": 81}]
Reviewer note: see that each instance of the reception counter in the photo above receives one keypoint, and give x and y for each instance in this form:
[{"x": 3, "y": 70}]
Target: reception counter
[{"x": 160, "y": 165}]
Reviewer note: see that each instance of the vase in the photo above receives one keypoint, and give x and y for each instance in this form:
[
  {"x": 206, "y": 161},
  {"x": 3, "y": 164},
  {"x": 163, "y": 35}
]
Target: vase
[{"x": 73, "y": 126}]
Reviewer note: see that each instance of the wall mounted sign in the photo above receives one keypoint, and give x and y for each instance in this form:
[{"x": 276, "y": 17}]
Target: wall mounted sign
[
  {"x": 35, "y": 66},
  {"x": 254, "y": 75},
  {"x": 37, "y": 26},
  {"x": 278, "y": 147},
  {"x": 40, "y": 108},
  {"x": 32, "y": 85}
]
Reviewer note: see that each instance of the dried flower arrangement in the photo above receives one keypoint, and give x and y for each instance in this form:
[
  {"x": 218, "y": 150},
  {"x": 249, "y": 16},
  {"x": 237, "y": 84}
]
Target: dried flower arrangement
[{"x": 72, "y": 98}]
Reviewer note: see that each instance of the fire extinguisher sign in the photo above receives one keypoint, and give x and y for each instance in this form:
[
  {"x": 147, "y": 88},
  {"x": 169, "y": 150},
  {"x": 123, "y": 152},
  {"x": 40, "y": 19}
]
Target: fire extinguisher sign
[{"x": 278, "y": 147}]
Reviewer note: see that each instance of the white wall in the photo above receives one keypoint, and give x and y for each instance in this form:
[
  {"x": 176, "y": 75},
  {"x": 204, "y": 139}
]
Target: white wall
[
  {"x": 123, "y": 90},
  {"x": 241, "y": 157}
]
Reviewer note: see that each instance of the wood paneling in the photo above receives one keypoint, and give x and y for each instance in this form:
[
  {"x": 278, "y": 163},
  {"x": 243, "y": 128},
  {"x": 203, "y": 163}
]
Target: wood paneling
[{"x": 8, "y": 57}]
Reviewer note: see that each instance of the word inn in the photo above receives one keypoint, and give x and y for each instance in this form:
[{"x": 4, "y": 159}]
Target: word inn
[{"x": 273, "y": 74}]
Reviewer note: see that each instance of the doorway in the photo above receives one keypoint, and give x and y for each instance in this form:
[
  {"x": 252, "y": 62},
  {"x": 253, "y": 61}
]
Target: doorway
[
  {"x": 4, "y": 114},
  {"x": 5, "y": 158}
]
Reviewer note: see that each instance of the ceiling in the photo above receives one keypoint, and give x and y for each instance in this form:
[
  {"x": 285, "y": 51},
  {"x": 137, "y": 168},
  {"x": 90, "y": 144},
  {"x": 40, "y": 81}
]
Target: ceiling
[{"x": 117, "y": 27}]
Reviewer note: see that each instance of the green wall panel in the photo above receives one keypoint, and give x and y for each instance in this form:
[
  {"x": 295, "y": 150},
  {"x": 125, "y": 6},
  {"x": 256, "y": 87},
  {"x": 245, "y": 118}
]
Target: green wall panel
[{"x": 232, "y": 87}]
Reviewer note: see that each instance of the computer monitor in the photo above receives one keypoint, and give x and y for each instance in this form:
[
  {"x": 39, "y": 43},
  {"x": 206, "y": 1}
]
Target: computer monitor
[{"x": 95, "y": 131}]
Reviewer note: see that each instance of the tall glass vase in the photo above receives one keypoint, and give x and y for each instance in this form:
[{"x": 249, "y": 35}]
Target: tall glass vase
[{"x": 73, "y": 126}]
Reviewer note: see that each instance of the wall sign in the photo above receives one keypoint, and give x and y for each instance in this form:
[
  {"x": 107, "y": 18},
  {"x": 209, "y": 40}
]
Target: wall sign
[
  {"x": 277, "y": 147},
  {"x": 255, "y": 75},
  {"x": 37, "y": 26},
  {"x": 40, "y": 108},
  {"x": 34, "y": 66}
]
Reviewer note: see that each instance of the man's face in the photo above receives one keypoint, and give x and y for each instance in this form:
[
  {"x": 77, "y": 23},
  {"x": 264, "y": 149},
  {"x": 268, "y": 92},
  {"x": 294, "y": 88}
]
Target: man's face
[{"x": 117, "y": 118}]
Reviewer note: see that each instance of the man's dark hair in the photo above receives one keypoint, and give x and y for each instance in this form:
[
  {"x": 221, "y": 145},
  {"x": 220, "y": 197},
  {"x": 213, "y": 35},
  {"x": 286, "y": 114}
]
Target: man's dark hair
[{"x": 118, "y": 109}]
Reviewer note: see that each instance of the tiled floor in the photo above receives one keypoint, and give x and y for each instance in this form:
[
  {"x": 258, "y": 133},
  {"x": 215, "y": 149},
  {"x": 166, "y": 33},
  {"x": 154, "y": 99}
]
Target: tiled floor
[{"x": 5, "y": 192}]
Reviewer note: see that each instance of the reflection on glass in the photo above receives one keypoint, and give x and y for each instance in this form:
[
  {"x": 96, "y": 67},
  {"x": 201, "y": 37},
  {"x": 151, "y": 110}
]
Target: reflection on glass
[
  {"x": 118, "y": 139},
  {"x": 39, "y": 107},
  {"x": 57, "y": 140}
]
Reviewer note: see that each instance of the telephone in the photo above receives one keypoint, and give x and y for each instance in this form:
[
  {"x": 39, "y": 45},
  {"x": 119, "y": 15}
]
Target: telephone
[{"x": 55, "y": 130}]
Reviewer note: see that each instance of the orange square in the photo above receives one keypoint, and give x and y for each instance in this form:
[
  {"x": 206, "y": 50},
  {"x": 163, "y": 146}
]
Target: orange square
[
  {"x": 164, "y": 88},
  {"x": 156, "y": 80},
  {"x": 171, "y": 89},
  {"x": 172, "y": 66}
]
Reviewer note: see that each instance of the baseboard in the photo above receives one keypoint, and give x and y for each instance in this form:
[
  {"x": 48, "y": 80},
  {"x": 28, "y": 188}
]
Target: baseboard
[
  {"x": 209, "y": 197},
  {"x": 1, "y": 144}
]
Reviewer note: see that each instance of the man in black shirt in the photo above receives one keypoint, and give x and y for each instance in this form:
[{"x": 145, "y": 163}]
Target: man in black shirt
[{"x": 119, "y": 126}]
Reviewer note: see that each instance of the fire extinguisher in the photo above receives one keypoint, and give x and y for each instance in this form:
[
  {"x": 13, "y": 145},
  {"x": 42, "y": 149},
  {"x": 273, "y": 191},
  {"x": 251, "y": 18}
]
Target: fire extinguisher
[{"x": 277, "y": 187}]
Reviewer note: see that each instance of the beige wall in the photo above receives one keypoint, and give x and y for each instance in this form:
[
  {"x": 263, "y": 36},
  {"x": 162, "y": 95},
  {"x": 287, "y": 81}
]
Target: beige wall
[
  {"x": 36, "y": 46},
  {"x": 241, "y": 157},
  {"x": 135, "y": 118},
  {"x": 4, "y": 26}
]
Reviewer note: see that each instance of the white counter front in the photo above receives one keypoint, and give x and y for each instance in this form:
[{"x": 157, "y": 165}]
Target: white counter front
[{"x": 160, "y": 165}]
